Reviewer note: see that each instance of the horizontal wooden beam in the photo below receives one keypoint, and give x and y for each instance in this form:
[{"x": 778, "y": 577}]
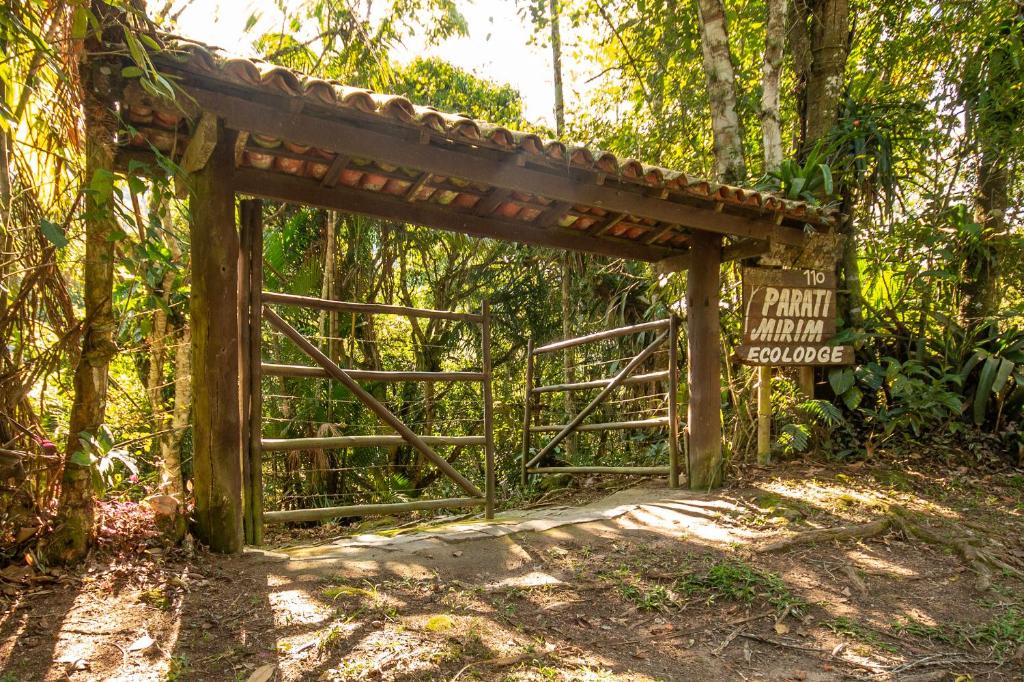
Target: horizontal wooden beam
[
  {"x": 372, "y": 308},
  {"x": 602, "y": 335},
  {"x": 334, "y": 134},
  {"x": 608, "y": 426},
  {"x": 275, "y": 370},
  {"x": 600, "y": 383},
  {"x": 342, "y": 442},
  {"x": 323, "y": 513},
  {"x": 744, "y": 248},
  {"x": 631, "y": 471},
  {"x": 283, "y": 187}
]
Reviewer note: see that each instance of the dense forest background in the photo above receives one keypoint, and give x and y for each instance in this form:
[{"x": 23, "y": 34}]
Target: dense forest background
[{"x": 905, "y": 115}]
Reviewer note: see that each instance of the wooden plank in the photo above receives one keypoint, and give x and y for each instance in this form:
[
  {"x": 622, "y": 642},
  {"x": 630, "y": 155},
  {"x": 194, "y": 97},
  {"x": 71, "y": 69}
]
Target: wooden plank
[
  {"x": 606, "y": 227},
  {"x": 338, "y": 164},
  {"x": 672, "y": 264},
  {"x": 527, "y": 412},
  {"x": 216, "y": 430},
  {"x": 602, "y": 335},
  {"x": 414, "y": 188},
  {"x": 629, "y": 471},
  {"x": 485, "y": 354},
  {"x": 773, "y": 277},
  {"x": 369, "y": 401},
  {"x": 592, "y": 405},
  {"x": 491, "y": 201},
  {"x": 363, "y": 142},
  {"x": 553, "y": 213},
  {"x": 599, "y": 383},
  {"x": 200, "y": 145},
  {"x": 705, "y": 406},
  {"x": 605, "y": 426},
  {"x": 673, "y": 402},
  {"x": 324, "y": 513},
  {"x": 745, "y": 248},
  {"x": 794, "y": 354},
  {"x": 283, "y": 187},
  {"x": 371, "y": 308},
  {"x": 274, "y": 370},
  {"x": 343, "y": 442}
]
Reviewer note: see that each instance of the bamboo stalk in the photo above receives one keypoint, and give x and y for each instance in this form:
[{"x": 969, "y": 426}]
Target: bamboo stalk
[
  {"x": 602, "y": 335},
  {"x": 375, "y": 406},
  {"x": 619, "y": 378},
  {"x": 606, "y": 426},
  {"x": 599, "y": 383},
  {"x": 485, "y": 350},
  {"x": 300, "y": 515},
  {"x": 373, "y": 308},
  {"x": 276, "y": 370},
  {"x": 342, "y": 442}
]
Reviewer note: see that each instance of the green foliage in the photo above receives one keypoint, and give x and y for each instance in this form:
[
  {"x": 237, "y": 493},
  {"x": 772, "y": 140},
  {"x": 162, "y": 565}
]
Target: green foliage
[
  {"x": 735, "y": 580},
  {"x": 810, "y": 181}
]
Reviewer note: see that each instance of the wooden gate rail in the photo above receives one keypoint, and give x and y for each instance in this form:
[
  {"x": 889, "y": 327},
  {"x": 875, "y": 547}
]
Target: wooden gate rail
[
  {"x": 669, "y": 330},
  {"x": 253, "y": 311}
]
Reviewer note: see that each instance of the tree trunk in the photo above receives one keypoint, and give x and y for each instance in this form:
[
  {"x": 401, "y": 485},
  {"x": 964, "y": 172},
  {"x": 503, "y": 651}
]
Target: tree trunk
[
  {"x": 820, "y": 40},
  {"x": 714, "y": 39},
  {"x": 170, "y": 442},
  {"x": 771, "y": 134},
  {"x": 771, "y": 121},
  {"x": 72, "y": 537}
]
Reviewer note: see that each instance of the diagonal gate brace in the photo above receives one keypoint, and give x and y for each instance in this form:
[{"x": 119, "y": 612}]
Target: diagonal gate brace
[
  {"x": 619, "y": 378},
  {"x": 364, "y": 397}
]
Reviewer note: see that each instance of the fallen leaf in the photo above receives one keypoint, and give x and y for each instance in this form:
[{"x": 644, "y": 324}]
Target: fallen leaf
[
  {"x": 457, "y": 554},
  {"x": 142, "y": 643},
  {"x": 264, "y": 673},
  {"x": 781, "y": 628}
]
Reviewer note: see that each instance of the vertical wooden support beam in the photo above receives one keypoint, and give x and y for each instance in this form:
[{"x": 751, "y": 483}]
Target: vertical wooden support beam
[
  {"x": 527, "y": 412},
  {"x": 216, "y": 428},
  {"x": 485, "y": 341},
  {"x": 704, "y": 373},
  {"x": 251, "y": 214},
  {"x": 244, "y": 378},
  {"x": 673, "y": 401},
  {"x": 764, "y": 414},
  {"x": 806, "y": 381}
]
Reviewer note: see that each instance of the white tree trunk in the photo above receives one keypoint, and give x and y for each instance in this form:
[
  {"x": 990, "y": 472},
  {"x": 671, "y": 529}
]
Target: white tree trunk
[
  {"x": 714, "y": 39},
  {"x": 771, "y": 121}
]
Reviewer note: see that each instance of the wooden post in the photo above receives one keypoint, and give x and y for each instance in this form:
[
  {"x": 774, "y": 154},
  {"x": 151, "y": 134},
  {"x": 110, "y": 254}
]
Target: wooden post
[
  {"x": 764, "y": 414},
  {"x": 244, "y": 378},
  {"x": 251, "y": 213},
  {"x": 527, "y": 397},
  {"x": 216, "y": 428},
  {"x": 485, "y": 341},
  {"x": 673, "y": 402},
  {"x": 705, "y": 415},
  {"x": 806, "y": 381}
]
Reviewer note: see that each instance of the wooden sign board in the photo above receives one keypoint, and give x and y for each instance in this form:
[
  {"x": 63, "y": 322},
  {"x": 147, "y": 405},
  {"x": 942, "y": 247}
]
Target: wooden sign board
[{"x": 789, "y": 316}]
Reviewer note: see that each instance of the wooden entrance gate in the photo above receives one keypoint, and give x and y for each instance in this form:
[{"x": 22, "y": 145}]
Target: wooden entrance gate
[
  {"x": 260, "y": 310},
  {"x": 665, "y": 339}
]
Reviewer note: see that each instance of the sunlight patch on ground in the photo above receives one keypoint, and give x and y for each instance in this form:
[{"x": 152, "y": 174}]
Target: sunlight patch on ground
[{"x": 876, "y": 564}]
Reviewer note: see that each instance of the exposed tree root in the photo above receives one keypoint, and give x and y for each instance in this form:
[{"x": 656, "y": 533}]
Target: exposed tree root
[
  {"x": 810, "y": 537},
  {"x": 981, "y": 561}
]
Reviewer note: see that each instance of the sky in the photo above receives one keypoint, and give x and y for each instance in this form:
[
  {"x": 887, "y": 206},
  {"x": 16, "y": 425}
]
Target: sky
[{"x": 496, "y": 48}]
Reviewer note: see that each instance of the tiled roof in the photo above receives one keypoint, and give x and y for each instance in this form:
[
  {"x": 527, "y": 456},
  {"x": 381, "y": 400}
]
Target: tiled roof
[{"x": 166, "y": 129}]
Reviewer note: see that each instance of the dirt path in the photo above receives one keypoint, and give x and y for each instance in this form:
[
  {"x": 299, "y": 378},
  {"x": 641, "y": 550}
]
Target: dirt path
[{"x": 648, "y": 584}]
